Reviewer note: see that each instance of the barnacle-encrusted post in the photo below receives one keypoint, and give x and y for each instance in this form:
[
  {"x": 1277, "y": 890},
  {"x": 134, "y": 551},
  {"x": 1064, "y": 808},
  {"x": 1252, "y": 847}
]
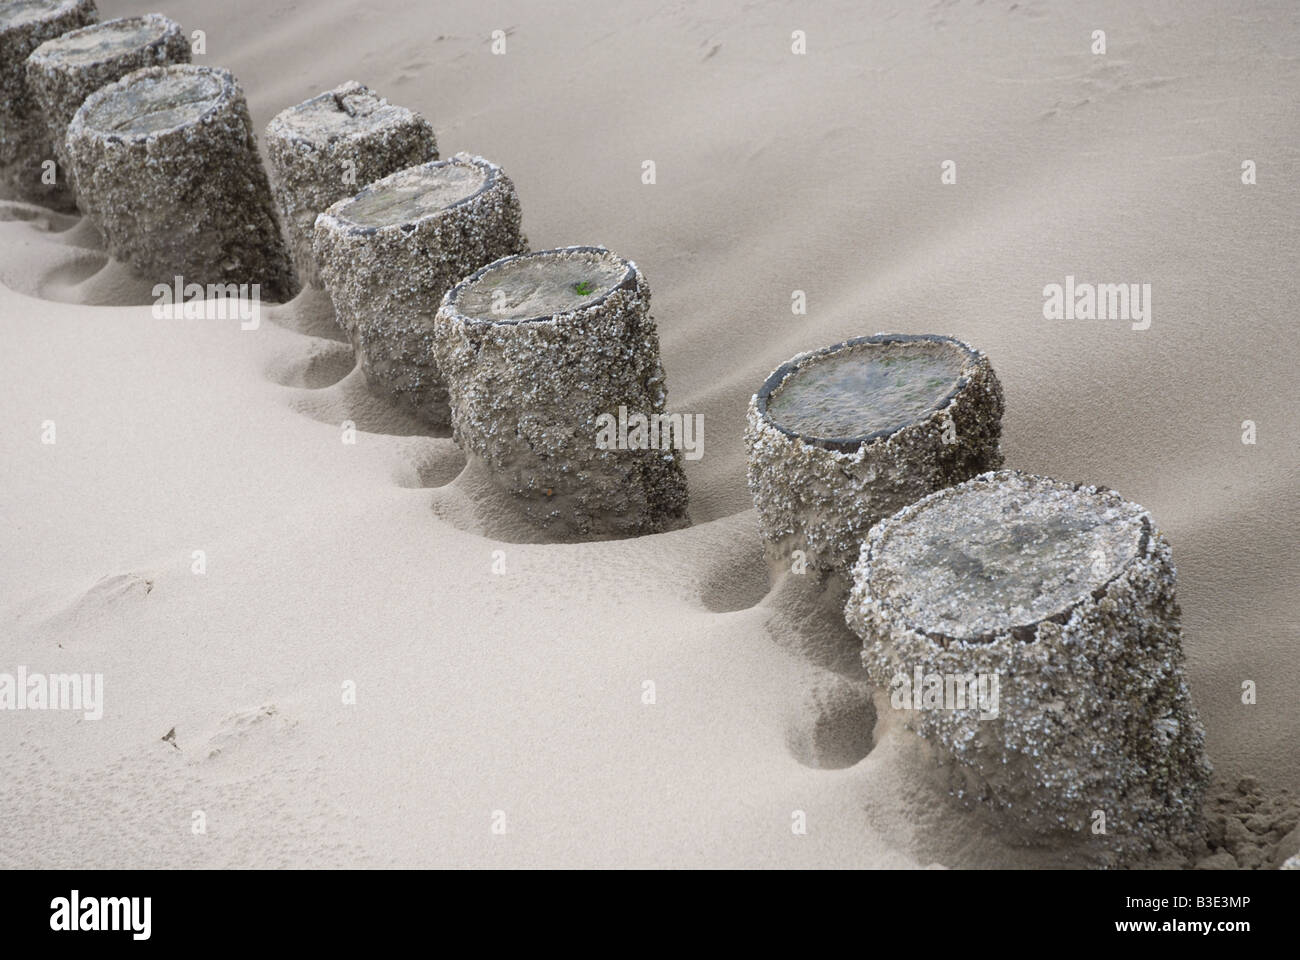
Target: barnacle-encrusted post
[
  {"x": 388, "y": 255},
  {"x": 24, "y": 137},
  {"x": 1032, "y": 627},
  {"x": 63, "y": 72},
  {"x": 325, "y": 149},
  {"x": 543, "y": 353},
  {"x": 166, "y": 166},
  {"x": 842, "y": 436}
]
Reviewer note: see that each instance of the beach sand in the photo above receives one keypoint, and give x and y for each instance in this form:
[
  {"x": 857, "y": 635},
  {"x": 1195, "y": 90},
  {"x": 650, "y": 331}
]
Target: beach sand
[{"x": 501, "y": 681}]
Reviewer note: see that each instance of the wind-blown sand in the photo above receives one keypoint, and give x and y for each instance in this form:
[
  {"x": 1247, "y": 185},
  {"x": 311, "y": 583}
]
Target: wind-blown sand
[{"x": 522, "y": 691}]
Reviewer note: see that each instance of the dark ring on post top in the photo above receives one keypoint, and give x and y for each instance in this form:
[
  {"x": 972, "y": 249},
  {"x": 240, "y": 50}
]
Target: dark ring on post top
[
  {"x": 850, "y": 444},
  {"x": 627, "y": 283}
]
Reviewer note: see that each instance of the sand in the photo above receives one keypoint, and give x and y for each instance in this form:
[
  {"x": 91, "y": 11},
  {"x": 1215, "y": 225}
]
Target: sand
[{"x": 630, "y": 702}]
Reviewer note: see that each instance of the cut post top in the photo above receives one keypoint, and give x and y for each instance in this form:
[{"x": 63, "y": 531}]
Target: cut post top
[
  {"x": 866, "y": 388},
  {"x": 541, "y": 285},
  {"x": 1000, "y": 552},
  {"x": 101, "y": 42},
  {"x": 349, "y": 110},
  {"x": 156, "y": 99},
  {"x": 20, "y": 13},
  {"x": 405, "y": 198}
]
